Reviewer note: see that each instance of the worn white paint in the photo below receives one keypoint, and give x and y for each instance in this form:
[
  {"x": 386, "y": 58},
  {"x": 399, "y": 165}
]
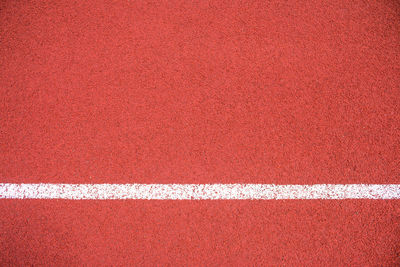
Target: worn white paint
[{"x": 199, "y": 191}]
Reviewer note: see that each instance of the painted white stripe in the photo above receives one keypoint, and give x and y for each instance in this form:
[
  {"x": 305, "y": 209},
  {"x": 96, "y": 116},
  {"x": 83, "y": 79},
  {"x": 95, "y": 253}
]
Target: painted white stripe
[{"x": 199, "y": 191}]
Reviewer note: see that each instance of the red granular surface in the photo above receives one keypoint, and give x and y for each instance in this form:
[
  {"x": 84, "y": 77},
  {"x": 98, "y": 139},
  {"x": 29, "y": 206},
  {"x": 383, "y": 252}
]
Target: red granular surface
[{"x": 277, "y": 92}]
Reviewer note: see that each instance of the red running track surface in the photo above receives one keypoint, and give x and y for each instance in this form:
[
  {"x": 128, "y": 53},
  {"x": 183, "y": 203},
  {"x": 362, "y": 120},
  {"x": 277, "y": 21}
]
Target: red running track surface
[{"x": 211, "y": 92}]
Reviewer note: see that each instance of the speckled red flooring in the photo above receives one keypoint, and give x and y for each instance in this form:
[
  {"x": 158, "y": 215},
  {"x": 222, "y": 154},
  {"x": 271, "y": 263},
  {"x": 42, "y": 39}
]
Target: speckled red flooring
[{"x": 275, "y": 92}]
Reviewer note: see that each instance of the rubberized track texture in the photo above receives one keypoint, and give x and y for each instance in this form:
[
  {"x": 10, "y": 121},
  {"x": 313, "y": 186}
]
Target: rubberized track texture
[{"x": 199, "y": 133}]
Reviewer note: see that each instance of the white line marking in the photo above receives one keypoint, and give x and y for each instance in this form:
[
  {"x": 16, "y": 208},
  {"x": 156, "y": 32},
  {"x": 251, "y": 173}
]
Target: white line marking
[{"x": 199, "y": 191}]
